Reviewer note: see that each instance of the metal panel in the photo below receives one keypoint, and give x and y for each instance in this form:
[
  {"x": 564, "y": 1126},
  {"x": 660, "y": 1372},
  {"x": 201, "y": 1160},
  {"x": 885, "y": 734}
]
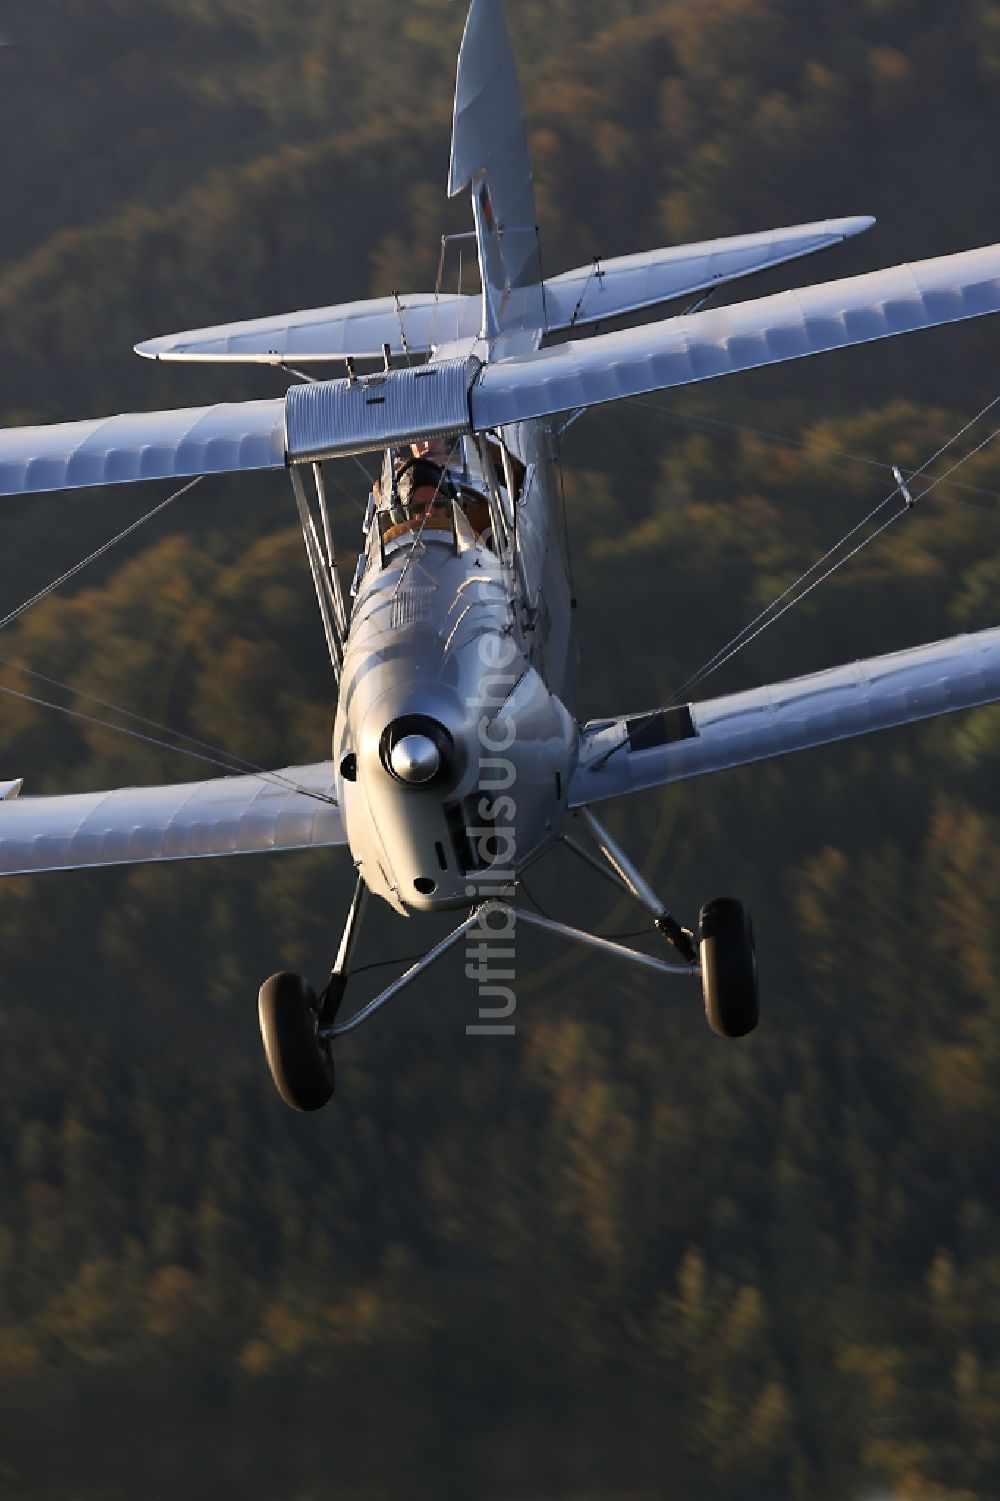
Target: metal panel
[
  {"x": 192, "y": 820},
  {"x": 330, "y": 418},
  {"x": 898, "y": 688},
  {"x": 701, "y": 346},
  {"x": 234, "y": 436},
  {"x": 629, "y": 283},
  {"x": 413, "y": 325}
]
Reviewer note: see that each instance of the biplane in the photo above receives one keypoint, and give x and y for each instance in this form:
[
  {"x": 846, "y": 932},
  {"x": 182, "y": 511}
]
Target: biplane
[{"x": 457, "y": 757}]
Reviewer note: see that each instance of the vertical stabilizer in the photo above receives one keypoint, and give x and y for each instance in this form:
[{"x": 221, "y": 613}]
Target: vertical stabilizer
[{"x": 489, "y": 152}]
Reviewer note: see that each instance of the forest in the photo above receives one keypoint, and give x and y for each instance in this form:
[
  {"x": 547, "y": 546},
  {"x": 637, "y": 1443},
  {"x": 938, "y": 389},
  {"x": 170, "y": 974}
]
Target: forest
[{"x": 613, "y": 1256}]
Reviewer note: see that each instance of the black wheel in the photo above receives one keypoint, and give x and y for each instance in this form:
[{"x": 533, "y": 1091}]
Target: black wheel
[
  {"x": 728, "y": 967},
  {"x": 301, "y": 1067}
]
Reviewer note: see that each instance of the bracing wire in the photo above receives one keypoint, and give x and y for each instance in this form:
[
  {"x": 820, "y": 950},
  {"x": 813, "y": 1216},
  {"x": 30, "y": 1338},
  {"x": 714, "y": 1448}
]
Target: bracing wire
[
  {"x": 208, "y": 753},
  {"x": 64, "y": 578},
  {"x": 226, "y": 759},
  {"x": 741, "y": 643},
  {"x": 770, "y": 613},
  {"x": 714, "y": 424},
  {"x": 364, "y": 471},
  {"x": 107, "y": 724}
]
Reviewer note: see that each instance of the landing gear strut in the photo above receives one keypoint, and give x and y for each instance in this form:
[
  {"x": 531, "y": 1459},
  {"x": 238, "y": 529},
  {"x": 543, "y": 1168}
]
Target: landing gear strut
[
  {"x": 724, "y": 947},
  {"x": 299, "y": 1027},
  {"x": 619, "y": 867}
]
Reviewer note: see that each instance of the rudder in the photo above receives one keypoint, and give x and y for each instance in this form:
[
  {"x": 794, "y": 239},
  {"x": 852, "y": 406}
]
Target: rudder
[{"x": 489, "y": 152}]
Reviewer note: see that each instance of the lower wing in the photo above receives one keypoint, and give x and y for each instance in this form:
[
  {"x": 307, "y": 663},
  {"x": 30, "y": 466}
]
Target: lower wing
[
  {"x": 292, "y": 809},
  {"x": 669, "y": 745}
]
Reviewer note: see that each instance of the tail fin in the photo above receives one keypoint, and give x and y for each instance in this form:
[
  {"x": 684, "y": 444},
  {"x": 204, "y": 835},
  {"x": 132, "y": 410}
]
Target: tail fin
[{"x": 489, "y": 151}]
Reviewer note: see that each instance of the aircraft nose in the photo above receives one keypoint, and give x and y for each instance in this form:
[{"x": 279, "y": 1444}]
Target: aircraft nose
[{"x": 415, "y": 758}]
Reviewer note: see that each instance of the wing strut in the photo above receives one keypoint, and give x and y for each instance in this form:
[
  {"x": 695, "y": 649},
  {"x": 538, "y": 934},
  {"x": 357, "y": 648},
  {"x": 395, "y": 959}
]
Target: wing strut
[{"x": 322, "y": 556}]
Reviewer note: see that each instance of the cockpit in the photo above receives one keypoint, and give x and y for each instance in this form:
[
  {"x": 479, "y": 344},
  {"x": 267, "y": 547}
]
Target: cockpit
[
  {"x": 426, "y": 487},
  {"x": 461, "y": 492}
]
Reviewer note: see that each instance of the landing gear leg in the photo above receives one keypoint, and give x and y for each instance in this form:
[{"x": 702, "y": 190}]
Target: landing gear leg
[
  {"x": 724, "y": 948},
  {"x": 333, "y": 995},
  {"x": 632, "y": 879}
]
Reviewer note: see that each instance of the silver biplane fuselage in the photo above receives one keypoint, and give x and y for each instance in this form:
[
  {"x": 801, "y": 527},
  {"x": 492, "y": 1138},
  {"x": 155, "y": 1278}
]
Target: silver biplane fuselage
[{"x": 464, "y": 641}]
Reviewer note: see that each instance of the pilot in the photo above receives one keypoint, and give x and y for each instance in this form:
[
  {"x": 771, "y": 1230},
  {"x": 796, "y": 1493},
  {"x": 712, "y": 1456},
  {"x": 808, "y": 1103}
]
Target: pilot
[
  {"x": 424, "y": 487},
  {"x": 443, "y": 451},
  {"x": 422, "y": 496}
]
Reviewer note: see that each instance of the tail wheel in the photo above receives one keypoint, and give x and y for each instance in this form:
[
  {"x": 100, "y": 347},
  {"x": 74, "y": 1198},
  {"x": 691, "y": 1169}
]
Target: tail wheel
[
  {"x": 301, "y": 1066},
  {"x": 728, "y": 967}
]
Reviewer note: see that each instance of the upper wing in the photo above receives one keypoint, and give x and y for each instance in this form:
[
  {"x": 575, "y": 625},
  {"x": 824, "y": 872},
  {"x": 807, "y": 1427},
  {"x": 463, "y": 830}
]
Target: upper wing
[
  {"x": 326, "y": 419},
  {"x": 630, "y": 283},
  {"x": 143, "y": 445},
  {"x": 411, "y": 325},
  {"x": 192, "y": 820},
  {"x": 649, "y": 750},
  {"x": 766, "y": 331},
  {"x": 319, "y": 420}
]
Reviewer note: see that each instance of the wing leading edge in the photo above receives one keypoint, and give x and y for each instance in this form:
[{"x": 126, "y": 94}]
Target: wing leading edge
[
  {"x": 415, "y": 323},
  {"x": 224, "y": 439},
  {"x": 650, "y": 750},
  {"x": 189, "y": 821},
  {"x": 747, "y": 335},
  {"x": 330, "y": 419},
  {"x": 632, "y": 283}
]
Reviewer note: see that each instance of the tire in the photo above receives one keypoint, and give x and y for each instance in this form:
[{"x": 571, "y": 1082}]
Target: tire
[
  {"x": 728, "y": 967},
  {"x": 302, "y": 1069}
]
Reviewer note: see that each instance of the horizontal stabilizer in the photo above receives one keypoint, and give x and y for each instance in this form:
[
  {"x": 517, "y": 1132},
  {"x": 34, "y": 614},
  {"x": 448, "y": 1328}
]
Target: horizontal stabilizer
[
  {"x": 284, "y": 810},
  {"x": 412, "y": 325},
  {"x": 766, "y": 331},
  {"x": 631, "y": 283},
  {"x": 417, "y": 322},
  {"x": 650, "y": 750},
  {"x": 10, "y": 789}
]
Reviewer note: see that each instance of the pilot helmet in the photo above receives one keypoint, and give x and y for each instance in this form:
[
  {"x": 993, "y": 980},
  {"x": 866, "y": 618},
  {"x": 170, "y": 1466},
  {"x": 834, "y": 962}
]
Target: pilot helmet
[{"x": 419, "y": 474}]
